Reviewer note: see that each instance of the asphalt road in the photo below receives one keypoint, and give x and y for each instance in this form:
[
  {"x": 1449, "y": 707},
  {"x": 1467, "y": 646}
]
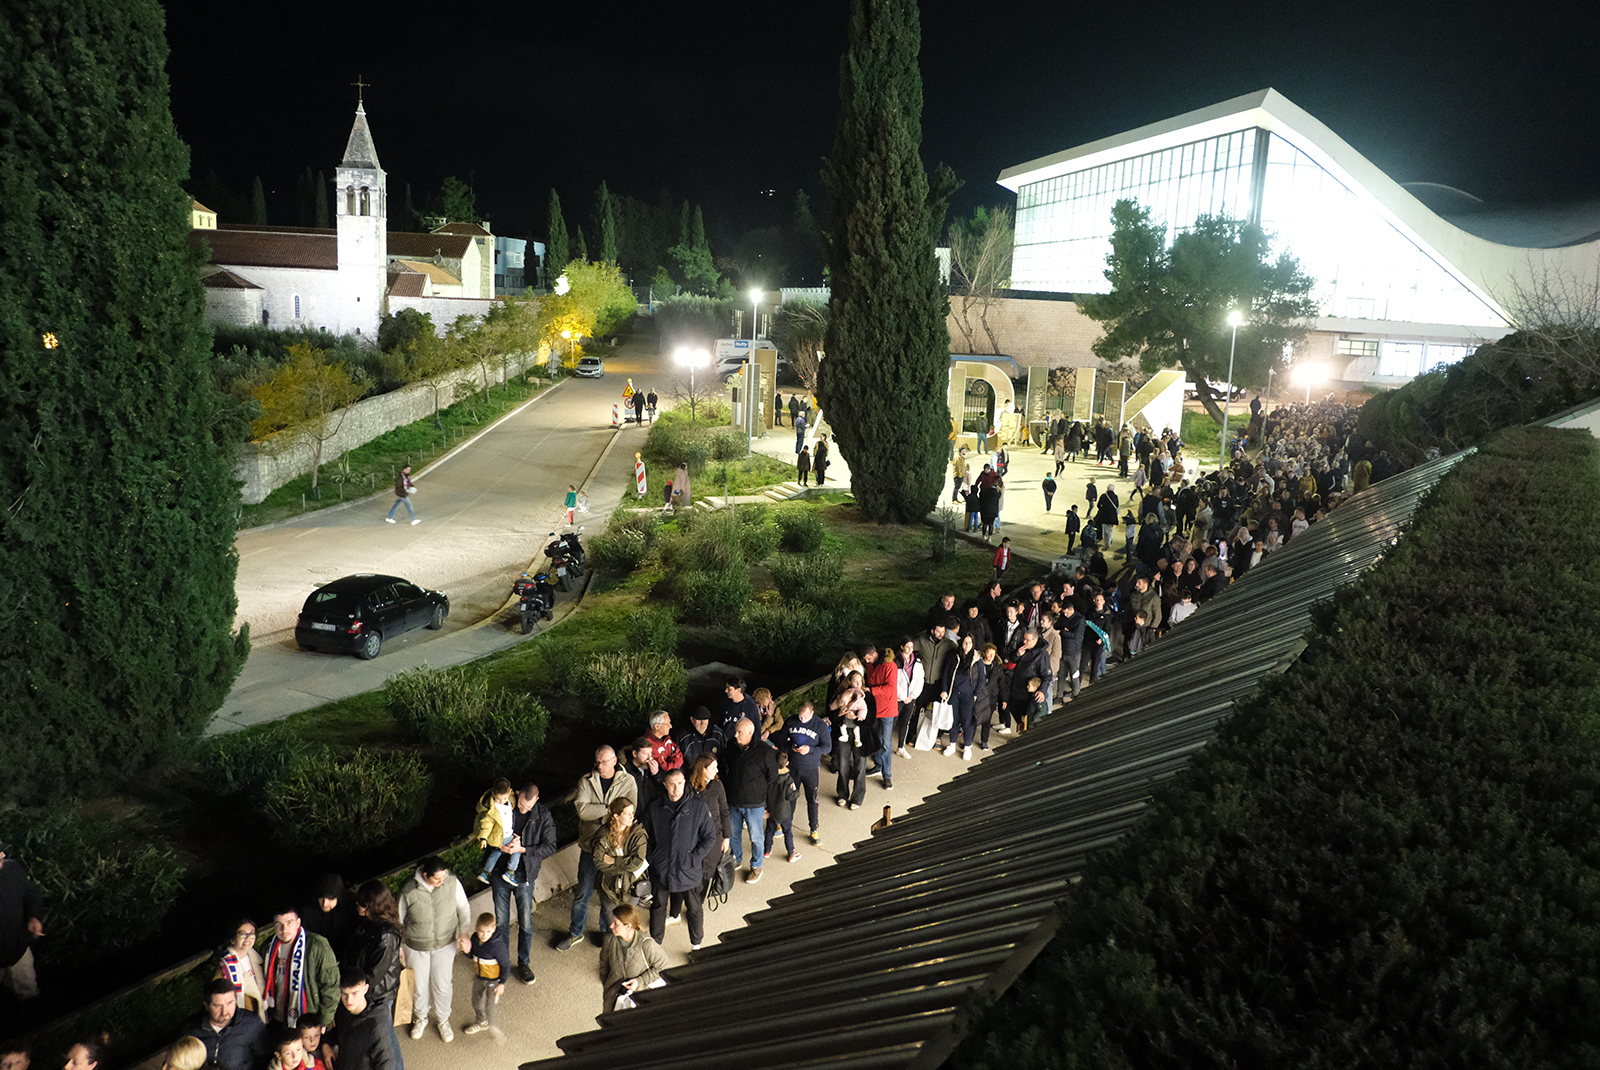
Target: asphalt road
[{"x": 486, "y": 512}]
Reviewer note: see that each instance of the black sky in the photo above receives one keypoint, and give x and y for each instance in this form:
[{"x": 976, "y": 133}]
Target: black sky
[{"x": 718, "y": 101}]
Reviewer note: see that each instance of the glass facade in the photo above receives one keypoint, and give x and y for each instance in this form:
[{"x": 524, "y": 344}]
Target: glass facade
[{"x": 1364, "y": 267}]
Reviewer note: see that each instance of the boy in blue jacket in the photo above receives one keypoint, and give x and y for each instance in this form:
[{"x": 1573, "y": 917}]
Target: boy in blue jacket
[
  {"x": 781, "y": 796},
  {"x": 491, "y": 965}
]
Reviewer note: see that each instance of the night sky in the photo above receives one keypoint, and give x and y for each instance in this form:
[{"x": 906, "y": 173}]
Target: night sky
[{"x": 720, "y": 102}]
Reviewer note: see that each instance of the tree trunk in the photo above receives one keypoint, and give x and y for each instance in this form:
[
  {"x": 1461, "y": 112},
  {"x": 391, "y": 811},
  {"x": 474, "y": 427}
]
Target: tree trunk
[
  {"x": 964, "y": 322},
  {"x": 983, "y": 318},
  {"x": 1203, "y": 391}
]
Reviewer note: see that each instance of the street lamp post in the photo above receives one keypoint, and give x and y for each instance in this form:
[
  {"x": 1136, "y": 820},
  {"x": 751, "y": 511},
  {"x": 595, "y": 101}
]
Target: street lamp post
[
  {"x": 753, "y": 377},
  {"x": 1235, "y": 317}
]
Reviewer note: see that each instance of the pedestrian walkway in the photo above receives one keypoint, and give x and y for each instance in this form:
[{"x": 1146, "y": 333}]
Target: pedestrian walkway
[{"x": 566, "y": 997}]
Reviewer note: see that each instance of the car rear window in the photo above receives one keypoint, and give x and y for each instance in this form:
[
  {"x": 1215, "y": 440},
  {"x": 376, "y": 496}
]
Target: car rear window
[{"x": 333, "y": 602}]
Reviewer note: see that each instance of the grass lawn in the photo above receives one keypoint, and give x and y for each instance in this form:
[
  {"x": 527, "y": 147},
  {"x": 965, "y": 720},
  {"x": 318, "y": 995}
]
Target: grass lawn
[
  {"x": 373, "y": 466},
  {"x": 1200, "y": 431}
]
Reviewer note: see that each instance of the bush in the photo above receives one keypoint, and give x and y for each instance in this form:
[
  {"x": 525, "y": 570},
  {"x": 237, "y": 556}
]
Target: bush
[
  {"x": 654, "y": 631},
  {"x": 627, "y": 685},
  {"x": 331, "y": 803},
  {"x": 714, "y": 542},
  {"x": 774, "y": 636},
  {"x": 757, "y": 537},
  {"x": 695, "y": 454},
  {"x": 243, "y": 763},
  {"x": 813, "y": 578},
  {"x": 618, "y": 551},
  {"x": 802, "y": 530},
  {"x": 728, "y": 444},
  {"x": 471, "y": 729},
  {"x": 106, "y": 883},
  {"x": 715, "y": 597}
]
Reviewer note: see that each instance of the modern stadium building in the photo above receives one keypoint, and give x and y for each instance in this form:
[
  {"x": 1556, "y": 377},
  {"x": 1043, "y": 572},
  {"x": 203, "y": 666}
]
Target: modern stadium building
[{"x": 1408, "y": 277}]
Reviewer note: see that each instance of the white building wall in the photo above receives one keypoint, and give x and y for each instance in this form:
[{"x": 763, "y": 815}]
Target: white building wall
[{"x": 444, "y": 310}]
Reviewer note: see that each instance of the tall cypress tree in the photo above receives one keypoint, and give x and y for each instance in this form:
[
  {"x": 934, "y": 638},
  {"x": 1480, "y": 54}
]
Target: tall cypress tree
[
  {"x": 320, "y": 218},
  {"x": 605, "y": 221},
  {"x": 884, "y": 382},
  {"x": 580, "y": 248},
  {"x": 556, "y": 254},
  {"x": 117, "y": 561},
  {"x": 258, "y": 202}
]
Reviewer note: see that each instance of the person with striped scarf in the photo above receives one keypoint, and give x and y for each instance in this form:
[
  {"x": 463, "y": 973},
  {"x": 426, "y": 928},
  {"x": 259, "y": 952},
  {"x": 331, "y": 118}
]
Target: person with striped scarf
[{"x": 302, "y": 974}]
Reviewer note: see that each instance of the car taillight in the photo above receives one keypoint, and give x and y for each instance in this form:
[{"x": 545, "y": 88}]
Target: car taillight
[{"x": 355, "y": 627}]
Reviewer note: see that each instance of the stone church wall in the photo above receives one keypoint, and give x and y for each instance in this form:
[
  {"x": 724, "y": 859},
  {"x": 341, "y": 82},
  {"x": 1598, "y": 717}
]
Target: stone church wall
[
  {"x": 444, "y": 310},
  {"x": 264, "y": 471},
  {"x": 1042, "y": 332},
  {"x": 241, "y": 308}
]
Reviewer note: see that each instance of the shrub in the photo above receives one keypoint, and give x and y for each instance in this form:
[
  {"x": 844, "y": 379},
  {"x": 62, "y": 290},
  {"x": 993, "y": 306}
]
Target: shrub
[
  {"x": 813, "y": 578},
  {"x": 695, "y": 454},
  {"x": 455, "y": 714},
  {"x": 626, "y": 685},
  {"x": 714, "y": 597},
  {"x": 107, "y": 883},
  {"x": 802, "y": 530},
  {"x": 243, "y": 763},
  {"x": 714, "y": 543},
  {"x": 653, "y": 630},
  {"x": 757, "y": 537},
  {"x": 728, "y": 444},
  {"x": 618, "y": 551},
  {"x": 333, "y": 803},
  {"x": 777, "y": 635}
]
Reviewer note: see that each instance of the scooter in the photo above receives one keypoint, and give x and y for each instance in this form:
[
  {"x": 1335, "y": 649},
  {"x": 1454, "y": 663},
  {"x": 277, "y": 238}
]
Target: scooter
[
  {"x": 576, "y": 558},
  {"x": 536, "y": 600},
  {"x": 561, "y": 563}
]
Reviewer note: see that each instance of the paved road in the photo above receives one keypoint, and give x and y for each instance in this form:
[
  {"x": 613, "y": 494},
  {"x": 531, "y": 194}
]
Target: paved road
[{"x": 486, "y": 511}]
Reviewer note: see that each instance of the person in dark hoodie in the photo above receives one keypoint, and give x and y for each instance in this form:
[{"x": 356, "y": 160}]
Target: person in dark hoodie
[
  {"x": 363, "y": 1037},
  {"x": 781, "y": 796},
  {"x": 681, "y": 835},
  {"x": 331, "y": 914},
  {"x": 805, "y": 738}
]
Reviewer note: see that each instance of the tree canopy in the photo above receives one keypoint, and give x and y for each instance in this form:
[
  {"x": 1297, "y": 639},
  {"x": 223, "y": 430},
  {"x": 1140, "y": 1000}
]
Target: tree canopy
[
  {"x": 884, "y": 381},
  {"x": 556, "y": 251},
  {"x": 1169, "y": 304},
  {"x": 980, "y": 268}
]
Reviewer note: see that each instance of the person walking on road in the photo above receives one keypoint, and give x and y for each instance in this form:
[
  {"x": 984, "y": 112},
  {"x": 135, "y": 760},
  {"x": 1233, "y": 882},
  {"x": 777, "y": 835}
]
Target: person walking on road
[
  {"x": 819, "y": 460},
  {"x": 777, "y": 409},
  {"x": 799, "y": 432},
  {"x": 571, "y": 503},
  {"x": 802, "y": 464},
  {"x": 794, "y": 408},
  {"x": 403, "y": 490}
]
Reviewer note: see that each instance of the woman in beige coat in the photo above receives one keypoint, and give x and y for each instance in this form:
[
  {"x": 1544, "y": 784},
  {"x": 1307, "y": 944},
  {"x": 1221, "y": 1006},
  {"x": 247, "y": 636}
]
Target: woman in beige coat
[{"x": 629, "y": 960}]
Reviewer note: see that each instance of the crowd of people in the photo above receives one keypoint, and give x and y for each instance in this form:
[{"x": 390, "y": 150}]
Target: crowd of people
[{"x": 678, "y": 814}]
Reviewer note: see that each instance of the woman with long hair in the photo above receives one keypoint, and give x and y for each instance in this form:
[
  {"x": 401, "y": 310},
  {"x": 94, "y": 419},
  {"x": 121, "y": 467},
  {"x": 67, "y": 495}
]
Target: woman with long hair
[
  {"x": 240, "y": 962},
  {"x": 708, "y": 789},
  {"x": 630, "y": 961},
  {"x": 87, "y": 1053},
  {"x": 967, "y": 677},
  {"x": 618, "y": 847}
]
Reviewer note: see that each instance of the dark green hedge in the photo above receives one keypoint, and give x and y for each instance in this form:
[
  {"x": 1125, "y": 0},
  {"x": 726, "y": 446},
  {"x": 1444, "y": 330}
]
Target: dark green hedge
[
  {"x": 1521, "y": 378},
  {"x": 1391, "y": 855}
]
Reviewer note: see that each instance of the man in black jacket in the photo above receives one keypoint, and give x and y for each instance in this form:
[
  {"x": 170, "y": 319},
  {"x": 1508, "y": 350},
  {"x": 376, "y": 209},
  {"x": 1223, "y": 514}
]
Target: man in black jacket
[
  {"x": 748, "y": 768},
  {"x": 681, "y": 835},
  {"x": 362, "y": 1034},
  {"x": 21, "y": 923},
  {"x": 533, "y": 833},
  {"x": 234, "y": 1040},
  {"x": 1033, "y": 660}
]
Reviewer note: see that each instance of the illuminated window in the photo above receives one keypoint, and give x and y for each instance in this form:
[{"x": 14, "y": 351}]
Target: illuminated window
[{"x": 1356, "y": 347}]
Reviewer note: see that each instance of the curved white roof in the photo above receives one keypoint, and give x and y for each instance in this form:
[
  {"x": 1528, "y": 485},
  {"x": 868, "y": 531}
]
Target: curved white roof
[{"x": 1493, "y": 252}]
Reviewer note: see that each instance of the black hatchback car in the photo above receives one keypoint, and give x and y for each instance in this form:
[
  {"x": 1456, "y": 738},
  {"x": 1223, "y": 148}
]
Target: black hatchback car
[{"x": 357, "y": 613}]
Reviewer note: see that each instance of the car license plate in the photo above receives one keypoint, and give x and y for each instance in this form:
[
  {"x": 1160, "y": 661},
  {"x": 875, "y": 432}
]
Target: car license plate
[
  {"x": 322, "y": 627},
  {"x": 562, "y": 571}
]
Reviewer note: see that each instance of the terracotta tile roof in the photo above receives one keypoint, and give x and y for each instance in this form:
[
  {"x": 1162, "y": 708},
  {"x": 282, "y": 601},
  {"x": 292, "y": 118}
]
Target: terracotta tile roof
[
  {"x": 265, "y": 228},
  {"x": 423, "y": 246},
  {"x": 224, "y": 279},
  {"x": 440, "y": 276},
  {"x": 469, "y": 229},
  {"x": 262, "y": 248},
  {"x": 407, "y": 284}
]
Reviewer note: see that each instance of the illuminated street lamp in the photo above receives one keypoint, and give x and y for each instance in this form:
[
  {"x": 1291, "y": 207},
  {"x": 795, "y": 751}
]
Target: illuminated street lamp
[
  {"x": 1235, "y": 317},
  {"x": 1309, "y": 375},
  {"x": 752, "y": 376},
  {"x": 691, "y": 359}
]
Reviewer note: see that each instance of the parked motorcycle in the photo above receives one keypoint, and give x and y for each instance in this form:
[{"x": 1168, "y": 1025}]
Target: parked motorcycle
[
  {"x": 536, "y": 600},
  {"x": 576, "y": 558},
  {"x": 561, "y": 561}
]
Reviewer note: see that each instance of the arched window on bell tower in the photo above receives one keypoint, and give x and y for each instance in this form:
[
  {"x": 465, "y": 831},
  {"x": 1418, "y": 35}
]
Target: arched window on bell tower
[
  {"x": 366, "y": 201},
  {"x": 349, "y": 200}
]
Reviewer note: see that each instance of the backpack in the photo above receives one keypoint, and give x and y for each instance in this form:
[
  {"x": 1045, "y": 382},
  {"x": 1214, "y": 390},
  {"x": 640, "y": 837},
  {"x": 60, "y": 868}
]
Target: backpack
[{"x": 721, "y": 882}]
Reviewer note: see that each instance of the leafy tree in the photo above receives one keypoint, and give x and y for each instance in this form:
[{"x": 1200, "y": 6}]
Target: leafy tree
[
  {"x": 456, "y": 201},
  {"x": 117, "y": 562},
  {"x": 555, "y": 249},
  {"x": 1168, "y": 305},
  {"x": 605, "y": 224},
  {"x": 305, "y": 404},
  {"x": 645, "y": 233},
  {"x": 980, "y": 268},
  {"x": 887, "y": 370},
  {"x": 799, "y": 328},
  {"x": 661, "y": 284},
  {"x": 258, "y": 202},
  {"x": 693, "y": 255},
  {"x": 580, "y": 248}
]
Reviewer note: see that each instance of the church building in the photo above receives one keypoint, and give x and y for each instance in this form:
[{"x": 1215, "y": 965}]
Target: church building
[{"x": 344, "y": 280}]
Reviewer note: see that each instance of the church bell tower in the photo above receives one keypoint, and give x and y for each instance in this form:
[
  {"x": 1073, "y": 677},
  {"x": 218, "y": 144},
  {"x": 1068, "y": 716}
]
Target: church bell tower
[{"x": 361, "y": 196}]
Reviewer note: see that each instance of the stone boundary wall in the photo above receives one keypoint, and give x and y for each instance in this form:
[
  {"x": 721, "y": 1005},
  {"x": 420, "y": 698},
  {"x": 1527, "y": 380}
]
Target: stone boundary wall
[
  {"x": 264, "y": 471},
  {"x": 1035, "y": 332},
  {"x": 444, "y": 310}
]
